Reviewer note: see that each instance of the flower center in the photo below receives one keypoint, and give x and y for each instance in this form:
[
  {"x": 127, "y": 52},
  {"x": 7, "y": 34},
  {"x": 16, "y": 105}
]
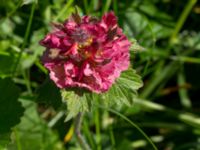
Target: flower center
[
  {"x": 80, "y": 36},
  {"x": 83, "y": 40},
  {"x": 88, "y": 42}
]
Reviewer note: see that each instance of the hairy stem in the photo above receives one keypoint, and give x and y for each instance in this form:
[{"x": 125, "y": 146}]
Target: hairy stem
[{"x": 81, "y": 140}]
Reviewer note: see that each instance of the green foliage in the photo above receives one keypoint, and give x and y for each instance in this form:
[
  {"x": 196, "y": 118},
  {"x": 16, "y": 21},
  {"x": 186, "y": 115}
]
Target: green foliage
[
  {"x": 166, "y": 55},
  {"x": 11, "y": 108},
  {"x": 4, "y": 140},
  {"x": 124, "y": 91},
  {"x": 7, "y": 61},
  {"x": 32, "y": 133},
  {"x": 75, "y": 103},
  {"x": 49, "y": 94},
  {"x": 27, "y": 2}
]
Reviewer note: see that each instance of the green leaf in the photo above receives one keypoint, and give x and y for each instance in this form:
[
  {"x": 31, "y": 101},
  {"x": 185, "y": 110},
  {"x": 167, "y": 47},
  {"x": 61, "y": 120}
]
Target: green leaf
[
  {"x": 33, "y": 132},
  {"x": 49, "y": 94},
  {"x": 34, "y": 51},
  {"x": 124, "y": 91},
  {"x": 27, "y": 2},
  {"x": 130, "y": 80},
  {"x": 4, "y": 44},
  {"x": 7, "y": 61},
  {"x": 11, "y": 109},
  {"x": 75, "y": 103},
  {"x": 4, "y": 140},
  {"x": 135, "y": 46}
]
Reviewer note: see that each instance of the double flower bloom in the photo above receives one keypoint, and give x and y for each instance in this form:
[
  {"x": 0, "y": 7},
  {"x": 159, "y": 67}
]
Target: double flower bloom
[{"x": 86, "y": 52}]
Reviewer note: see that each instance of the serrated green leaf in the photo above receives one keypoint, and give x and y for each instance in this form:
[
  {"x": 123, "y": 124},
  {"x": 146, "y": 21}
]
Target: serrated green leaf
[
  {"x": 11, "y": 109},
  {"x": 75, "y": 103},
  {"x": 122, "y": 92},
  {"x": 135, "y": 46},
  {"x": 49, "y": 94},
  {"x": 130, "y": 79}
]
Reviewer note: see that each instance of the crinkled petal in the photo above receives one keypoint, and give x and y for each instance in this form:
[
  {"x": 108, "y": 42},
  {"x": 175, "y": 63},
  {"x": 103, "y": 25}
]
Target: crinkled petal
[{"x": 88, "y": 54}]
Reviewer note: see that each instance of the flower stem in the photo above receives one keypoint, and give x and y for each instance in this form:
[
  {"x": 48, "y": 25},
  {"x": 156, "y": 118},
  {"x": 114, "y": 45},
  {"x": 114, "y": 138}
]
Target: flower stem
[
  {"x": 132, "y": 123},
  {"x": 81, "y": 140},
  {"x": 98, "y": 134},
  {"x": 182, "y": 19},
  {"x": 27, "y": 33}
]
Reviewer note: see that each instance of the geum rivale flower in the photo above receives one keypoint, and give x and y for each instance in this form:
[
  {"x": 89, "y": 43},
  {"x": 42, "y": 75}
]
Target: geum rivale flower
[{"x": 86, "y": 52}]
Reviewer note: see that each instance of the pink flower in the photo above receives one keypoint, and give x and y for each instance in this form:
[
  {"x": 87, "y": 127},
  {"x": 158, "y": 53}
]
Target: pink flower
[{"x": 86, "y": 52}]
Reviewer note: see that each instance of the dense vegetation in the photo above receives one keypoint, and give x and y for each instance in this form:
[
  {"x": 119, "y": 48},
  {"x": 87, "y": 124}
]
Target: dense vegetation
[{"x": 165, "y": 53}]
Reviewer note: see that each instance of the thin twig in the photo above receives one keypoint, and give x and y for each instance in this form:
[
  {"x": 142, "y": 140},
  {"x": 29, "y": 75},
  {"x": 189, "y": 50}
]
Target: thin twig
[{"x": 81, "y": 140}]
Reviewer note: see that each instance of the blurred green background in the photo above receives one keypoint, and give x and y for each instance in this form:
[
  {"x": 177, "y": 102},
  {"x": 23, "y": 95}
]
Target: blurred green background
[{"x": 168, "y": 59}]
